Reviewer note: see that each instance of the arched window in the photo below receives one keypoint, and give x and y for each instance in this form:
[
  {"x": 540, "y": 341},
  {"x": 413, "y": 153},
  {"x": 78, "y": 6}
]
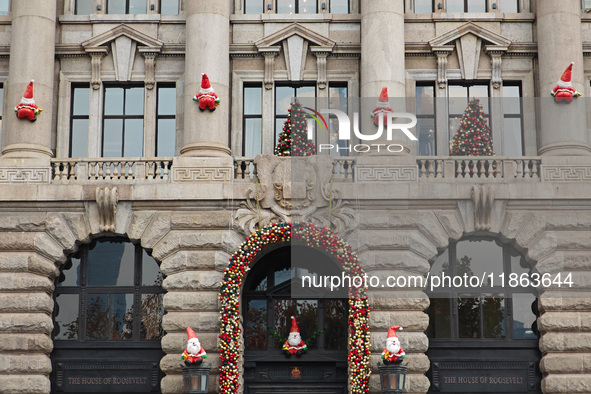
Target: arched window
[
  {"x": 108, "y": 304},
  {"x": 478, "y": 316}
]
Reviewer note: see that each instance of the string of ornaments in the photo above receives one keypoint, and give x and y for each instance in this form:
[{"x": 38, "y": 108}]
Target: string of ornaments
[
  {"x": 229, "y": 296},
  {"x": 473, "y": 137},
  {"x": 293, "y": 140}
]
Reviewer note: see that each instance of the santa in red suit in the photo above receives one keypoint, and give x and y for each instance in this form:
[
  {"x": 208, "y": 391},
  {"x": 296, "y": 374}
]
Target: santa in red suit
[
  {"x": 294, "y": 343},
  {"x": 564, "y": 90},
  {"x": 382, "y": 110},
  {"x": 194, "y": 353},
  {"x": 27, "y": 107},
  {"x": 393, "y": 352},
  {"x": 206, "y": 97}
]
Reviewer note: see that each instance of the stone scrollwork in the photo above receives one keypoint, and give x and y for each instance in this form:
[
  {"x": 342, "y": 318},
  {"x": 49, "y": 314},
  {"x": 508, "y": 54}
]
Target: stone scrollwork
[
  {"x": 482, "y": 198},
  {"x": 106, "y": 200}
]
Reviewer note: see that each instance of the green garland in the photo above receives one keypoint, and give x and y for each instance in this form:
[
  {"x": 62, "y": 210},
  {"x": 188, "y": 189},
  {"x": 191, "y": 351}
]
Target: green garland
[{"x": 359, "y": 354}]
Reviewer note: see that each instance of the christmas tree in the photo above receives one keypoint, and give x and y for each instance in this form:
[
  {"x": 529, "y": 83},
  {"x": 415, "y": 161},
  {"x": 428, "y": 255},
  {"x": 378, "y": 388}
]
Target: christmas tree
[
  {"x": 474, "y": 136},
  {"x": 293, "y": 140}
]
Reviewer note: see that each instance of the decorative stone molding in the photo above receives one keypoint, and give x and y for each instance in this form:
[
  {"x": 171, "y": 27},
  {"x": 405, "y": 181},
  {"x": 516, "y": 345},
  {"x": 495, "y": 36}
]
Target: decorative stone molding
[
  {"x": 569, "y": 173},
  {"x": 96, "y": 60},
  {"x": 150, "y": 73},
  {"x": 106, "y": 200},
  {"x": 269, "y": 55},
  {"x": 496, "y": 55},
  {"x": 321, "y": 55},
  {"x": 284, "y": 194},
  {"x": 25, "y": 175},
  {"x": 482, "y": 199},
  {"x": 201, "y": 174},
  {"x": 442, "y": 54},
  {"x": 380, "y": 173}
]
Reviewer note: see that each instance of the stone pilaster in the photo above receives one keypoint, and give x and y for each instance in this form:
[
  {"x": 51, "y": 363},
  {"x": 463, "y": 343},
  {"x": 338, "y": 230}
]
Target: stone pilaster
[
  {"x": 32, "y": 56},
  {"x": 563, "y": 126},
  {"x": 206, "y": 134}
]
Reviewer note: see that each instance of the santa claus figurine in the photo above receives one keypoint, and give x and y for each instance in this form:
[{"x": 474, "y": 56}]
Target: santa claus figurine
[
  {"x": 393, "y": 352},
  {"x": 382, "y": 109},
  {"x": 564, "y": 90},
  {"x": 206, "y": 97},
  {"x": 194, "y": 353},
  {"x": 294, "y": 343},
  {"x": 27, "y": 107}
]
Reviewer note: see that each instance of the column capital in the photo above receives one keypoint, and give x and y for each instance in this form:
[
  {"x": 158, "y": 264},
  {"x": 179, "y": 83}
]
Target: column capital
[
  {"x": 496, "y": 53},
  {"x": 321, "y": 54},
  {"x": 149, "y": 55},
  {"x": 96, "y": 59},
  {"x": 442, "y": 52},
  {"x": 269, "y": 54}
]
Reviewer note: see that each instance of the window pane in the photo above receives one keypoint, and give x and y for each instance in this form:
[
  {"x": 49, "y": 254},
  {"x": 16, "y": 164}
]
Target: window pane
[
  {"x": 339, "y": 6},
  {"x": 1, "y": 101},
  {"x": 587, "y": 4},
  {"x": 283, "y": 97},
  {"x": 122, "y": 315},
  {"x": 252, "y": 137},
  {"x": 335, "y": 330},
  {"x": 113, "y": 101},
  {"x": 439, "y": 318},
  {"x": 479, "y": 257},
  {"x": 98, "y": 318},
  {"x": 81, "y": 102},
  {"x": 169, "y": 7},
  {"x": 455, "y": 5},
  {"x": 151, "y": 275},
  {"x": 138, "y": 7},
  {"x": 134, "y": 101},
  {"x": 70, "y": 274},
  {"x": 425, "y": 100},
  {"x": 79, "y": 141},
  {"x": 286, "y": 6},
  {"x": 479, "y": 92},
  {"x": 282, "y": 275},
  {"x": 457, "y": 99},
  {"x": 253, "y": 6},
  {"x": 426, "y": 135},
  {"x": 255, "y": 325},
  {"x": 523, "y": 317},
  {"x": 66, "y": 317},
  {"x": 509, "y": 6},
  {"x": 166, "y": 101},
  {"x": 112, "y": 137},
  {"x": 166, "y": 138},
  {"x": 306, "y": 313},
  {"x": 307, "y": 7},
  {"x": 4, "y": 7},
  {"x": 116, "y": 7},
  {"x": 423, "y": 6},
  {"x": 134, "y": 138},
  {"x": 512, "y": 130},
  {"x": 278, "y": 128},
  {"x": 152, "y": 311},
  {"x": 519, "y": 265},
  {"x": 511, "y": 100},
  {"x": 476, "y": 5},
  {"x": 469, "y": 317},
  {"x": 83, "y": 7},
  {"x": 306, "y": 91},
  {"x": 111, "y": 264},
  {"x": 493, "y": 317},
  {"x": 283, "y": 309},
  {"x": 253, "y": 101}
]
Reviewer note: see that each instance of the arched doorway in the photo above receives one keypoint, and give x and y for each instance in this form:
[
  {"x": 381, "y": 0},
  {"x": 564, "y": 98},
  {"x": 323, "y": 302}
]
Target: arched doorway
[
  {"x": 108, "y": 320},
  {"x": 483, "y": 338}
]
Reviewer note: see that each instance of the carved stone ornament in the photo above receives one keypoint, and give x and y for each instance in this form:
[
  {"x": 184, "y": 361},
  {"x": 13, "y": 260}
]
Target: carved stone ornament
[
  {"x": 482, "y": 198},
  {"x": 106, "y": 200}
]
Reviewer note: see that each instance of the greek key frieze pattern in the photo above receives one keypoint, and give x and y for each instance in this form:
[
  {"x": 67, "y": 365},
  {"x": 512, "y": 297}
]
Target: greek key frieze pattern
[
  {"x": 201, "y": 174},
  {"x": 391, "y": 173},
  {"x": 25, "y": 175},
  {"x": 566, "y": 173}
]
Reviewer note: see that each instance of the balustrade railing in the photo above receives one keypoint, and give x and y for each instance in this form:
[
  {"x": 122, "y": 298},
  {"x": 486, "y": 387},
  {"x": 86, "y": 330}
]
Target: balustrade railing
[
  {"x": 111, "y": 169},
  {"x": 485, "y": 167}
]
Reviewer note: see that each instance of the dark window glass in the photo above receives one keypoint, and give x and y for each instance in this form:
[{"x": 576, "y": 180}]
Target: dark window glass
[
  {"x": 338, "y": 99},
  {"x": 513, "y": 121},
  {"x": 99, "y": 297},
  {"x": 425, "y": 110},
  {"x": 466, "y": 5},
  {"x": 509, "y": 6},
  {"x": 169, "y": 7},
  {"x": 476, "y": 5},
  {"x": 116, "y": 6},
  {"x": 79, "y": 121},
  {"x": 339, "y": 6},
  {"x": 296, "y": 6},
  {"x": 254, "y": 6},
  {"x": 166, "y": 121},
  {"x": 283, "y": 99},
  {"x": 455, "y": 5},
  {"x": 127, "y": 7},
  {"x": 423, "y": 6},
  {"x": 123, "y": 122},
  {"x": 252, "y": 121},
  {"x": 458, "y": 98},
  {"x": 83, "y": 7}
]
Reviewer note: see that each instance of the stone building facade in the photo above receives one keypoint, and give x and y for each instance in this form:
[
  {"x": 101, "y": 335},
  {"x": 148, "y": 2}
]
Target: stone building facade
[{"x": 189, "y": 187}]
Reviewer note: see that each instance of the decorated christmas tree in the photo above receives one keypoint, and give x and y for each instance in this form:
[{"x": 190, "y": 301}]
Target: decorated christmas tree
[
  {"x": 293, "y": 140},
  {"x": 473, "y": 137}
]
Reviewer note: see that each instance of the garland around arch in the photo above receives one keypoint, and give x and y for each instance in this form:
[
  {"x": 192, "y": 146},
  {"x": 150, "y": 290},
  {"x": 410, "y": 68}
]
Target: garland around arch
[{"x": 229, "y": 295}]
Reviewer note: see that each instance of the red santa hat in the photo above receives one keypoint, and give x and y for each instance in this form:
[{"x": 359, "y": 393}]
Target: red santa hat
[
  {"x": 205, "y": 85},
  {"x": 28, "y": 96},
  {"x": 294, "y": 325},
  {"x": 191, "y": 334},
  {"x": 383, "y": 101},
  {"x": 392, "y": 332},
  {"x": 565, "y": 80}
]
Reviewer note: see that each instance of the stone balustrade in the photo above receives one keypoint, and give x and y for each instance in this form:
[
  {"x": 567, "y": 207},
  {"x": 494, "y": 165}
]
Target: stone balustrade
[
  {"x": 111, "y": 169},
  {"x": 487, "y": 167}
]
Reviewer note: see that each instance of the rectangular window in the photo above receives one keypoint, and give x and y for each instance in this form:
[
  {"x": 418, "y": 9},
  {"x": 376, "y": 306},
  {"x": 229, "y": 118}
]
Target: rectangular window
[
  {"x": 4, "y": 7},
  {"x": 423, "y": 6},
  {"x": 123, "y": 122},
  {"x": 425, "y": 110},
  {"x": 587, "y": 5},
  {"x": 169, "y": 7},
  {"x": 165, "y": 121},
  {"x": 297, "y": 6},
  {"x": 459, "y": 96},
  {"x": 127, "y": 7},
  {"x": 509, "y": 6},
  {"x": 512, "y": 121},
  {"x": 252, "y": 121},
  {"x": 466, "y": 5},
  {"x": 84, "y": 7},
  {"x": 339, "y": 6},
  {"x": 79, "y": 118},
  {"x": 254, "y": 6},
  {"x": 283, "y": 100},
  {"x": 338, "y": 99}
]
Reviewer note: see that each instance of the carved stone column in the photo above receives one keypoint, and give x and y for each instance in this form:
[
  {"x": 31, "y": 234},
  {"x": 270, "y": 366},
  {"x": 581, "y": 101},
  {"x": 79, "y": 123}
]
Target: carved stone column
[
  {"x": 269, "y": 55},
  {"x": 442, "y": 54},
  {"x": 496, "y": 59},
  {"x": 96, "y": 60},
  {"x": 321, "y": 55},
  {"x": 150, "y": 73}
]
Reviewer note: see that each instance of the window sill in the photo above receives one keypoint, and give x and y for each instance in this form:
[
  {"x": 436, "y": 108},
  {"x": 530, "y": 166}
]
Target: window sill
[
  {"x": 469, "y": 17},
  {"x": 290, "y": 18}
]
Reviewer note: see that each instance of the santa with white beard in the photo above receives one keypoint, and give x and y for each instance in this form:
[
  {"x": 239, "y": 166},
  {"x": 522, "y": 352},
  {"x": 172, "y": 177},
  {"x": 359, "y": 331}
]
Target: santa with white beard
[
  {"x": 294, "y": 343},
  {"x": 393, "y": 352},
  {"x": 194, "y": 353}
]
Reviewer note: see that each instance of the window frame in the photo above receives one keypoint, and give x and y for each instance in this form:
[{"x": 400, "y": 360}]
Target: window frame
[
  {"x": 414, "y": 7},
  {"x": 251, "y": 116},
  {"x": 469, "y": 85},
  {"x": 295, "y": 86},
  {"x": 163, "y": 85},
  {"x": 160, "y": 8},
  {"x": 296, "y": 7},
  {"x": 337, "y": 85},
  {"x": 76, "y": 8},
  {"x": 433, "y": 116},
  {"x": 466, "y": 7},
  {"x": 519, "y": 116},
  {"x": 127, "y": 3},
  {"x": 73, "y": 117},
  {"x": 244, "y": 5}
]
